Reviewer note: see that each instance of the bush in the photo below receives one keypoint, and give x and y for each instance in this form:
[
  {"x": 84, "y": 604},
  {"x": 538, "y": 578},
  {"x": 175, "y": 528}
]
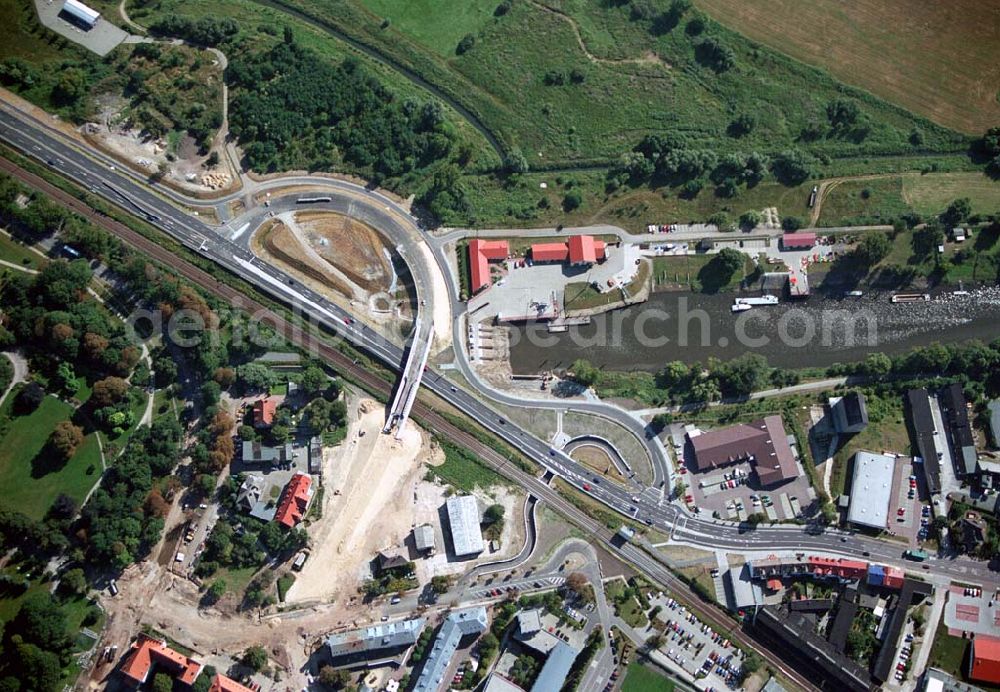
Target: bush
[{"x": 465, "y": 44}]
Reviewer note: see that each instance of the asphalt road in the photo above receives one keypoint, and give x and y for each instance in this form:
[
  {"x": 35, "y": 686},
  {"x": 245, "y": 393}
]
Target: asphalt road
[{"x": 648, "y": 507}]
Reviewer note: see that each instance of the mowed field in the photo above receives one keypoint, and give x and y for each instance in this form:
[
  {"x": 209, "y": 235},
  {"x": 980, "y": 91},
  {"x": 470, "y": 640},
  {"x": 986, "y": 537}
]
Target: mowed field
[
  {"x": 438, "y": 24},
  {"x": 939, "y": 59},
  {"x": 930, "y": 194}
]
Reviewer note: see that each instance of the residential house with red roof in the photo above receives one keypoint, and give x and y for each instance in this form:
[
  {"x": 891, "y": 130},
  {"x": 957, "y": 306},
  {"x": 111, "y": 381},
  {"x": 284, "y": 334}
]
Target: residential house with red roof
[
  {"x": 294, "y": 500},
  {"x": 148, "y": 654},
  {"x": 585, "y": 249},
  {"x": 263, "y": 412}
]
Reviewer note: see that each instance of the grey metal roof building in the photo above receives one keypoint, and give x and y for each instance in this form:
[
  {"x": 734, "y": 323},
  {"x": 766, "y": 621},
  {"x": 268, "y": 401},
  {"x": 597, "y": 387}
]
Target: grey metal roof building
[
  {"x": 557, "y": 665},
  {"x": 963, "y": 441},
  {"x": 741, "y": 591},
  {"x": 463, "y": 519},
  {"x": 871, "y": 489},
  {"x": 423, "y": 537},
  {"x": 994, "y": 409},
  {"x": 81, "y": 13},
  {"x": 923, "y": 430},
  {"x": 457, "y": 626},
  {"x": 373, "y": 645}
]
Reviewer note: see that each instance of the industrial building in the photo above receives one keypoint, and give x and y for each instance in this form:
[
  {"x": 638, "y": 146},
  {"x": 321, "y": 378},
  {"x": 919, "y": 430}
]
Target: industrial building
[
  {"x": 963, "y": 441},
  {"x": 374, "y": 646},
  {"x": 742, "y": 593},
  {"x": 481, "y": 253},
  {"x": 764, "y": 443},
  {"x": 463, "y": 519},
  {"x": 458, "y": 626},
  {"x": 850, "y": 413},
  {"x": 80, "y": 13},
  {"x": 923, "y": 434},
  {"x": 871, "y": 489}
]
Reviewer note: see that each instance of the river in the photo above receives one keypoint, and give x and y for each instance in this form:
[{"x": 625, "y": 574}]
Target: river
[{"x": 817, "y": 332}]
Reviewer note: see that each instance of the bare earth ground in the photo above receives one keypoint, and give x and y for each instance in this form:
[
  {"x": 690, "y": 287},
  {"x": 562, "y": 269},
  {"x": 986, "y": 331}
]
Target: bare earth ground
[
  {"x": 353, "y": 247},
  {"x": 276, "y": 243},
  {"x": 598, "y": 460},
  {"x": 375, "y": 475},
  {"x": 939, "y": 59},
  {"x": 383, "y": 495}
]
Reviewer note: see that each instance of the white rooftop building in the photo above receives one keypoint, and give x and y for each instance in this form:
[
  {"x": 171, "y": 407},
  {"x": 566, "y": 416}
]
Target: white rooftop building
[
  {"x": 871, "y": 489},
  {"x": 80, "y": 12},
  {"x": 463, "y": 517}
]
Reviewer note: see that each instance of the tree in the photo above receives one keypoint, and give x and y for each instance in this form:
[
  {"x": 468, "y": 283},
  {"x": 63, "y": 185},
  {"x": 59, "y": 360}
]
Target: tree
[
  {"x": 71, "y": 86},
  {"x": 465, "y": 44},
  {"x": 440, "y": 584},
  {"x": 73, "y": 582},
  {"x": 216, "y": 591},
  {"x": 254, "y": 376},
  {"x": 584, "y": 373},
  {"x": 751, "y": 664},
  {"x": 41, "y": 622},
  {"x": 225, "y": 377},
  {"x": 655, "y": 641},
  {"x": 730, "y": 261},
  {"x": 873, "y": 248},
  {"x": 254, "y": 658},
  {"x": 493, "y": 514},
  {"x": 29, "y": 398},
  {"x": 927, "y": 239},
  {"x": 742, "y": 124},
  {"x": 791, "y": 223},
  {"x": 742, "y": 376},
  {"x": 109, "y": 391},
  {"x": 957, "y": 212},
  {"x": 577, "y": 583},
  {"x": 162, "y": 682},
  {"x": 572, "y": 200},
  {"x": 791, "y": 167},
  {"x": 336, "y": 679},
  {"x": 66, "y": 438},
  {"x": 749, "y": 220},
  {"x": 314, "y": 379},
  {"x": 877, "y": 365}
]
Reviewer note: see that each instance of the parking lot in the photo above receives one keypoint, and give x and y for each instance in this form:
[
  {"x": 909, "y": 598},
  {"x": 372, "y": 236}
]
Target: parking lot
[
  {"x": 695, "y": 647},
  {"x": 908, "y": 516},
  {"x": 734, "y": 493}
]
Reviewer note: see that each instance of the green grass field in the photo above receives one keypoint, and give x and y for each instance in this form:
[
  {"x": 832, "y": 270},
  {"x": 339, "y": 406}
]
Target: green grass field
[
  {"x": 640, "y": 678},
  {"x": 22, "y": 438},
  {"x": 18, "y": 253},
  {"x": 856, "y": 202},
  {"x": 462, "y": 470},
  {"x": 932, "y": 193},
  {"x": 437, "y": 24}
]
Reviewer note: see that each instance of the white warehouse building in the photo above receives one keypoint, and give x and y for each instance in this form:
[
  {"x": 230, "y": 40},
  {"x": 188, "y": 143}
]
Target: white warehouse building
[
  {"x": 463, "y": 518},
  {"x": 81, "y": 13},
  {"x": 871, "y": 489}
]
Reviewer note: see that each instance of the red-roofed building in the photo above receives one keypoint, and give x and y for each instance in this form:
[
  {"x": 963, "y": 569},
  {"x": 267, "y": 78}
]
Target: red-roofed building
[
  {"x": 481, "y": 253},
  {"x": 220, "y": 683},
  {"x": 148, "y": 653},
  {"x": 585, "y": 249},
  {"x": 798, "y": 241},
  {"x": 837, "y": 567},
  {"x": 984, "y": 663},
  {"x": 893, "y": 578},
  {"x": 549, "y": 252},
  {"x": 263, "y": 412},
  {"x": 294, "y": 500}
]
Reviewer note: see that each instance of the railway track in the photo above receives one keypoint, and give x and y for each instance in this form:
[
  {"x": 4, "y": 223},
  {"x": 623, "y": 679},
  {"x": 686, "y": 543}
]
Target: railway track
[{"x": 425, "y": 415}]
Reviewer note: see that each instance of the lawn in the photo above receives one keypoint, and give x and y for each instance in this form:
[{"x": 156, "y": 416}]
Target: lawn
[
  {"x": 583, "y": 295},
  {"x": 627, "y": 608},
  {"x": 932, "y": 193},
  {"x": 236, "y": 579},
  {"x": 857, "y": 202},
  {"x": 948, "y": 653},
  {"x": 886, "y": 431},
  {"x": 464, "y": 470},
  {"x": 284, "y": 584},
  {"x": 22, "y": 467},
  {"x": 952, "y": 78},
  {"x": 688, "y": 272},
  {"x": 18, "y": 253},
  {"x": 437, "y": 24},
  {"x": 640, "y": 678}
]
